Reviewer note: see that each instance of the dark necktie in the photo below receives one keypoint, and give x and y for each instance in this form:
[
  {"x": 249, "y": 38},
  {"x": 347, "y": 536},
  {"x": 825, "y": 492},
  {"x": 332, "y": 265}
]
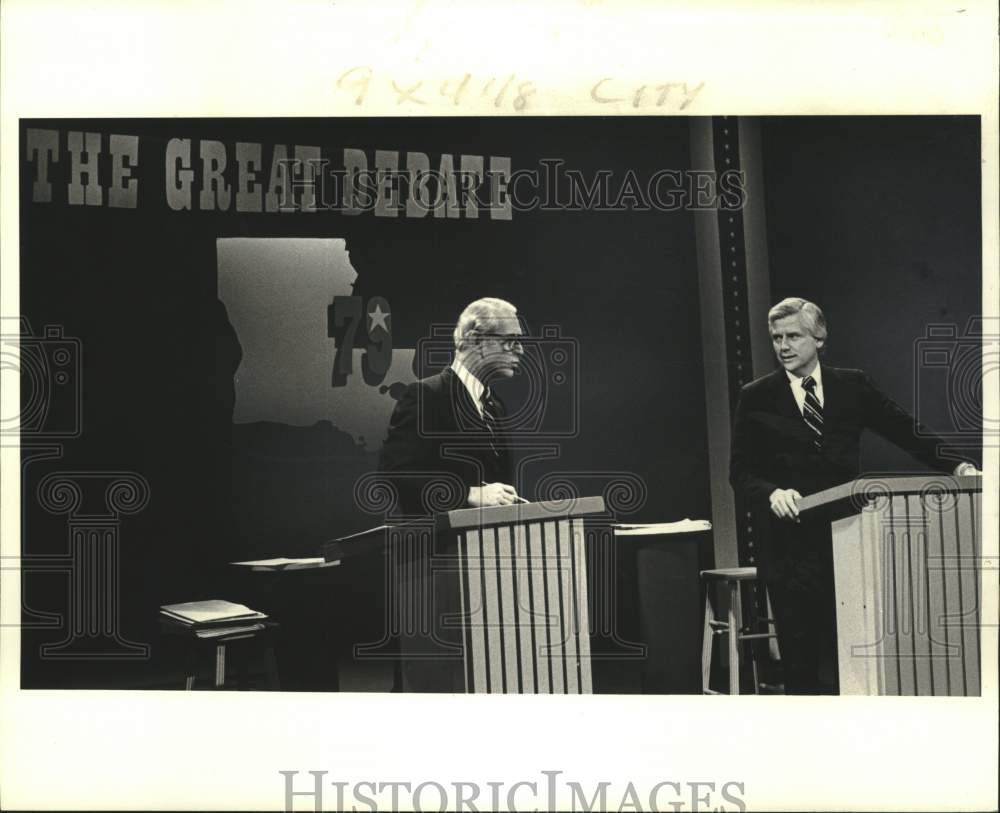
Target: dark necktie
[
  {"x": 490, "y": 415},
  {"x": 812, "y": 411}
]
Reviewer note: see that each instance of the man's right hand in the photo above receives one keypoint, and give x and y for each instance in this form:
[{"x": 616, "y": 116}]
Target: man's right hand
[
  {"x": 492, "y": 494},
  {"x": 783, "y": 503}
]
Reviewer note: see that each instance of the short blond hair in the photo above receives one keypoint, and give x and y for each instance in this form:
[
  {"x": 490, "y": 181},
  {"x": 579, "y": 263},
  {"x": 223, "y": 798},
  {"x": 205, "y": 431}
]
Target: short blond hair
[{"x": 812, "y": 315}]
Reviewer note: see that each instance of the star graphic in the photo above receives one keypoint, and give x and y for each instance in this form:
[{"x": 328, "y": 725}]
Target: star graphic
[{"x": 378, "y": 317}]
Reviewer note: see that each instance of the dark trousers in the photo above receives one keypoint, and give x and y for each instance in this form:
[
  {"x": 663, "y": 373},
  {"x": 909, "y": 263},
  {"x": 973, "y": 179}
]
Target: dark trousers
[{"x": 800, "y": 583}]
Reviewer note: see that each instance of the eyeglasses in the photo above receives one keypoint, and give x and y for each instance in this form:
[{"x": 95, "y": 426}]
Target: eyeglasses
[{"x": 506, "y": 342}]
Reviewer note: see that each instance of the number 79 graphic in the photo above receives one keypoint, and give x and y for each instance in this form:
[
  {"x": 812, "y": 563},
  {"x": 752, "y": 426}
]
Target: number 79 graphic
[{"x": 342, "y": 319}]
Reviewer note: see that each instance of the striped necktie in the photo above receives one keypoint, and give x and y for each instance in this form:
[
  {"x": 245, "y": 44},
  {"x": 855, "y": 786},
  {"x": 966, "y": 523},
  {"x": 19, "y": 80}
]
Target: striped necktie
[
  {"x": 490, "y": 415},
  {"x": 812, "y": 410}
]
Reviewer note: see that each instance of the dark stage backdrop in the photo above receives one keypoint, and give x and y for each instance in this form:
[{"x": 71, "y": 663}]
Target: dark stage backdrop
[
  {"x": 878, "y": 220},
  {"x": 161, "y": 348}
]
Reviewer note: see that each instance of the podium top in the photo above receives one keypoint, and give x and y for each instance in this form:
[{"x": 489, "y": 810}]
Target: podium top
[
  {"x": 549, "y": 511},
  {"x": 853, "y": 496}
]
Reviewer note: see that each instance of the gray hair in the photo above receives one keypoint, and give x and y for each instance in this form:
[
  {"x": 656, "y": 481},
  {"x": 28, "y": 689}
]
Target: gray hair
[
  {"x": 483, "y": 317},
  {"x": 812, "y": 316}
]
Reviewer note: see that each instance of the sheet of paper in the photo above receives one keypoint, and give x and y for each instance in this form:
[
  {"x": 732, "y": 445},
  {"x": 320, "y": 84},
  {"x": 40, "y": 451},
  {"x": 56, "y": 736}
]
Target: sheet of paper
[
  {"x": 282, "y": 562},
  {"x": 684, "y": 526}
]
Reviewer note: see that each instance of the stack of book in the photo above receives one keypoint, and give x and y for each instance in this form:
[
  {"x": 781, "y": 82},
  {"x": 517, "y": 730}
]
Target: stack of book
[{"x": 214, "y": 618}]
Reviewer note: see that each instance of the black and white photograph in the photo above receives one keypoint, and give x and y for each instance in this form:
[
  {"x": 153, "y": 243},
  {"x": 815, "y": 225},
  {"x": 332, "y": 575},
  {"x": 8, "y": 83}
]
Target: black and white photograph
[{"x": 664, "y": 410}]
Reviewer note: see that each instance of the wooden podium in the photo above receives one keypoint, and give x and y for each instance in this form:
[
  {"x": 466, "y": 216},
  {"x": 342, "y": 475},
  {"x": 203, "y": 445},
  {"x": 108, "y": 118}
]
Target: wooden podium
[
  {"x": 487, "y": 600},
  {"x": 906, "y": 556}
]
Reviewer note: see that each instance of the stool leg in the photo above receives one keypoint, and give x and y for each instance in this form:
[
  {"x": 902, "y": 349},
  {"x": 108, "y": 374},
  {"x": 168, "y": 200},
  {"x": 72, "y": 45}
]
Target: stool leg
[
  {"x": 190, "y": 666},
  {"x": 734, "y": 631},
  {"x": 220, "y": 666},
  {"x": 752, "y": 645},
  {"x": 706, "y": 641},
  {"x": 772, "y": 643},
  {"x": 754, "y": 652}
]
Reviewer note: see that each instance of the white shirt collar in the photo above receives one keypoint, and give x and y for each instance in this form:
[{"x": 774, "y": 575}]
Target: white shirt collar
[
  {"x": 796, "y": 380},
  {"x": 472, "y": 384},
  {"x": 799, "y": 392}
]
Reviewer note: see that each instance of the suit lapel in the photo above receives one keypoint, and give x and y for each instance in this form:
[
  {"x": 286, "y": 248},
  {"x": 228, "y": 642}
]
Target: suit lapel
[
  {"x": 832, "y": 392},
  {"x": 787, "y": 410},
  {"x": 784, "y": 399},
  {"x": 464, "y": 410}
]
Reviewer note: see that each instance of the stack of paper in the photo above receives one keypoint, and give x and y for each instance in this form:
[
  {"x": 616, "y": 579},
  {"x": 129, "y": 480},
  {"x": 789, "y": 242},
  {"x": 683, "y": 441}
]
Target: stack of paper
[
  {"x": 685, "y": 526},
  {"x": 213, "y": 612}
]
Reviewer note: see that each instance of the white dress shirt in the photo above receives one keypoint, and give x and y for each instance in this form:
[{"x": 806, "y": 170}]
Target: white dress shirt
[
  {"x": 472, "y": 384},
  {"x": 799, "y": 392}
]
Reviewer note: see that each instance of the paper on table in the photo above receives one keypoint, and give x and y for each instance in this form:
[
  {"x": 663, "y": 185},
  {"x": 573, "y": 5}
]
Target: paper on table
[
  {"x": 212, "y": 611},
  {"x": 684, "y": 526},
  {"x": 282, "y": 563}
]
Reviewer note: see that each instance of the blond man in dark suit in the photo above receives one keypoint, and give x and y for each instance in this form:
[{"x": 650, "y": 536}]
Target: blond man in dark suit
[{"x": 798, "y": 431}]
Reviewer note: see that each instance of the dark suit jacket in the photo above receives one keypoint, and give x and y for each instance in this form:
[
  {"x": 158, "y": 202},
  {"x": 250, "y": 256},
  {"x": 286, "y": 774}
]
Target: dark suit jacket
[
  {"x": 773, "y": 447},
  {"x": 438, "y": 447}
]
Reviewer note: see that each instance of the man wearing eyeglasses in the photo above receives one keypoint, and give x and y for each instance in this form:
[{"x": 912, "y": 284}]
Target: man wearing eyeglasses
[{"x": 446, "y": 447}]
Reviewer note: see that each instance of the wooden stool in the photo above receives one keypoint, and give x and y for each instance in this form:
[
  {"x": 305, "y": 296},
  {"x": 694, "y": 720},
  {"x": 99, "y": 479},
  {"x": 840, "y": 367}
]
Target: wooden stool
[
  {"x": 733, "y": 626},
  {"x": 195, "y": 649}
]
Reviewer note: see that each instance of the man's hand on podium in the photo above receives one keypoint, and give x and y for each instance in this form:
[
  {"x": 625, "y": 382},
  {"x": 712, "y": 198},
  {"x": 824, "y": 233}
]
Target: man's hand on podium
[
  {"x": 489, "y": 494},
  {"x": 783, "y": 503}
]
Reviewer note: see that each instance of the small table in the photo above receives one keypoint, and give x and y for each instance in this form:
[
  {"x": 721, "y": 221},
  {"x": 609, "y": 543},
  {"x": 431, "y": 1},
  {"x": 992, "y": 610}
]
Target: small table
[
  {"x": 668, "y": 560},
  {"x": 307, "y": 595},
  {"x": 260, "y": 637}
]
